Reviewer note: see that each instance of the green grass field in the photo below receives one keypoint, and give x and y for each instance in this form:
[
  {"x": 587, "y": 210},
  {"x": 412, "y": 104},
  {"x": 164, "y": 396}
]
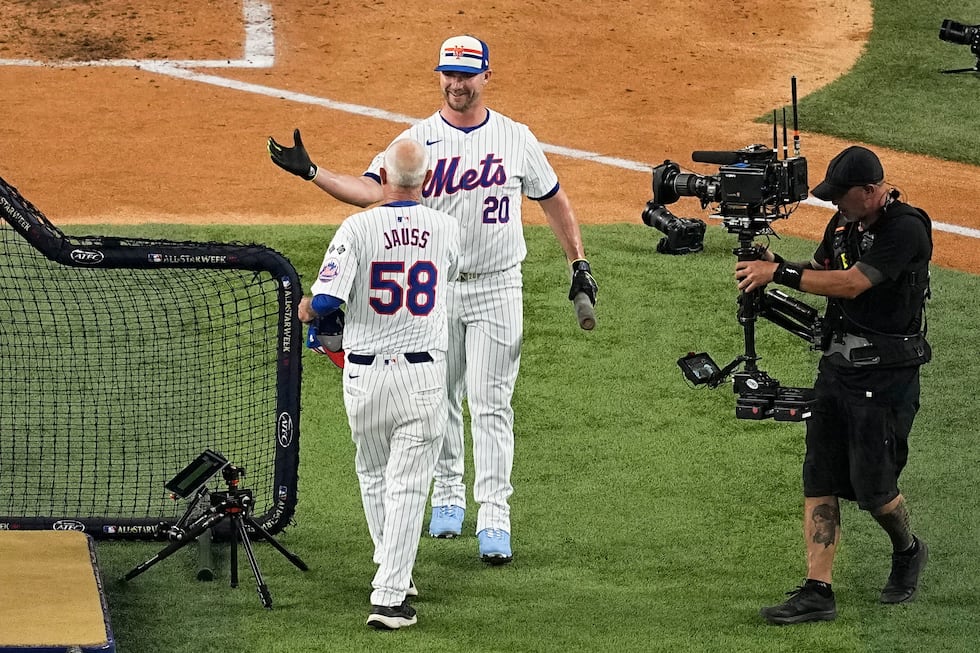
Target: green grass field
[
  {"x": 646, "y": 517},
  {"x": 896, "y": 95}
]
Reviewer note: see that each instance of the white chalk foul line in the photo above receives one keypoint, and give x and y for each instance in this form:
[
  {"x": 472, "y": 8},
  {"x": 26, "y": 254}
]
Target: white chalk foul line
[
  {"x": 166, "y": 68},
  {"x": 381, "y": 114},
  {"x": 260, "y": 53}
]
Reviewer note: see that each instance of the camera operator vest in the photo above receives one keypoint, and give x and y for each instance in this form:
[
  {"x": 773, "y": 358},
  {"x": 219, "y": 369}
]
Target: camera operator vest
[{"x": 885, "y": 325}]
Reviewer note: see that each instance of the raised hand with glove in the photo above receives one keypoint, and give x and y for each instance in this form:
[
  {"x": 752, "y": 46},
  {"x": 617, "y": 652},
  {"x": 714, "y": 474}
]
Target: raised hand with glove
[
  {"x": 361, "y": 190},
  {"x": 293, "y": 159}
]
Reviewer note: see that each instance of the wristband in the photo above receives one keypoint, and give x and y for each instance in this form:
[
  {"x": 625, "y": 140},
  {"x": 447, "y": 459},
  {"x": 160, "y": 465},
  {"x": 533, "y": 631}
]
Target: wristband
[{"x": 788, "y": 274}]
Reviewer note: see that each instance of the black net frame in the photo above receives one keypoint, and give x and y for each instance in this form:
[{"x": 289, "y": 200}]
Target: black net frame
[{"x": 122, "y": 359}]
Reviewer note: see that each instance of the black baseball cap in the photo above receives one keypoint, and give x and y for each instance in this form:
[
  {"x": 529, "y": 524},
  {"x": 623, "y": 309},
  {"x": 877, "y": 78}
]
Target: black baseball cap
[{"x": 855, "y": 166}]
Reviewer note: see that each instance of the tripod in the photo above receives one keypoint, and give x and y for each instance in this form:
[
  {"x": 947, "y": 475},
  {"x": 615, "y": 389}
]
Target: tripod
[
  {"x": 974, "y": 49},
  {"x": 236, "y": 506},
  {"x": 953, "y": 71}
]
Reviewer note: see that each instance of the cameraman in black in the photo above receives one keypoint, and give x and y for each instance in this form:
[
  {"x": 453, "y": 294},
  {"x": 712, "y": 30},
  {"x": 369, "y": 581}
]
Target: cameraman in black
[{"x": 873, "y": 266}]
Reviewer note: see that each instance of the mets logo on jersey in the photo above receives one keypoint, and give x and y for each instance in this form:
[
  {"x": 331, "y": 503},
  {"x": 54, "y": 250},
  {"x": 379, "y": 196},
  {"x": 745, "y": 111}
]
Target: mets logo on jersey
[
  {"x": 329, "y": 271},
  {"x": 448, "y": 179}
]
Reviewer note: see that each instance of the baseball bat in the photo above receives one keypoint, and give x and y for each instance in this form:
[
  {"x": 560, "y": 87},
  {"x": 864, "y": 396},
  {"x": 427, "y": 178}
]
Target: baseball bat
[{"x": 584, "y": 311}]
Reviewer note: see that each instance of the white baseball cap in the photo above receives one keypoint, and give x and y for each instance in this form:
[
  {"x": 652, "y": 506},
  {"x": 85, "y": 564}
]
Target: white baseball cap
[{"x": 464, "y": 54}]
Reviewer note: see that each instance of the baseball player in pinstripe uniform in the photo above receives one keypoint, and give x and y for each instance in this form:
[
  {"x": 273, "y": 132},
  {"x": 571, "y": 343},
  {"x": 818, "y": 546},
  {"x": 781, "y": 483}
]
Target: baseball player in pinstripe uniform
[
  {"x": 391, "y": 265},
  {"x": 483, "y": 163}
]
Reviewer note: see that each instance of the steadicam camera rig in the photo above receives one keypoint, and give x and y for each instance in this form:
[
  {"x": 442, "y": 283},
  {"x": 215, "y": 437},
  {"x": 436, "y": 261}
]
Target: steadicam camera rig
[{"x": 753, "y": 188}]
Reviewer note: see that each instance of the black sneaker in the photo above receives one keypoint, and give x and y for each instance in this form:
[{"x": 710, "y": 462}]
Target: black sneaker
[
  {"x": 904, "y": 579},
  {"x": 804, "y": 604},
  {"x": 391, "y": 617}
]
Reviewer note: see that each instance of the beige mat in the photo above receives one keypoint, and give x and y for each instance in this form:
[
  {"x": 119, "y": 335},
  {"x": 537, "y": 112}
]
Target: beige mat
[{"x": 50, "y": 592}]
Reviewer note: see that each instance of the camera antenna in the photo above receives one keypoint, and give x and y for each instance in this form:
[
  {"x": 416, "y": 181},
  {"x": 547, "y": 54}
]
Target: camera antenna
[
  {"x": 796, "y": 122},
  {"x": 775, "y": 138},
  {"x": 785, "y": 139}
]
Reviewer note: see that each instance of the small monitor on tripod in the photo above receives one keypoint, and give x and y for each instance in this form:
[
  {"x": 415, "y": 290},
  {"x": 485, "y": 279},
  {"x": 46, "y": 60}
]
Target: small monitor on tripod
[
  {"x": 192, "y": 477},
  {"x": 234, "y": 505}
]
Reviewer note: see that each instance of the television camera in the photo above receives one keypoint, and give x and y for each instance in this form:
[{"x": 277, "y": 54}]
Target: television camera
[
  {"x": 960, "y": 34},
  {"x": 681, "y": 235},
  {"x": 753, "y": 188}
]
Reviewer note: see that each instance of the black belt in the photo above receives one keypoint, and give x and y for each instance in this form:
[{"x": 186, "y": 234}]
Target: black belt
[{"x": 411, "y": 357}]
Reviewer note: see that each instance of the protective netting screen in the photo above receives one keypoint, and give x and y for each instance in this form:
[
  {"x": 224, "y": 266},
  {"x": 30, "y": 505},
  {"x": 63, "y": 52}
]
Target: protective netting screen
[{"x": 116, "y": 378}]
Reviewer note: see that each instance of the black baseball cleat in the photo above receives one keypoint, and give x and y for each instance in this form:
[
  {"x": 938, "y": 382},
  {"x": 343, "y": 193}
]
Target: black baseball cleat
[
  {"x": 391, "y": 617},
  {"x": 804, "y": 604},
  {"x": 903, "y": 581}
]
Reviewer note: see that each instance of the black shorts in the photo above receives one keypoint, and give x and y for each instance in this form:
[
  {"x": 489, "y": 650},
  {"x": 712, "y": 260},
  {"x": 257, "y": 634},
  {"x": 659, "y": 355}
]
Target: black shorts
[{"x": 857, "y": 436}]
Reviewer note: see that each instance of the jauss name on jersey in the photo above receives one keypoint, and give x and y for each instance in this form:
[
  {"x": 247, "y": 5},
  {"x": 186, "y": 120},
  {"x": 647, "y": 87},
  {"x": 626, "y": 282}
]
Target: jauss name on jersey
[{"x": 402, "y": 236}]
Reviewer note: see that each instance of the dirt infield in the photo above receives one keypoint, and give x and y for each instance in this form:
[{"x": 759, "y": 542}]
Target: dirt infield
[{"x": 637, "y": 81}]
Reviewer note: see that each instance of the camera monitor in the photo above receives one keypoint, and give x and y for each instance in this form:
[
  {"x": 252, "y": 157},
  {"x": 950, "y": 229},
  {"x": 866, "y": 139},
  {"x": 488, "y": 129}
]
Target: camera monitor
[
  {"x": 699, "y": 368},
  {"x": 202, "y": 468}
]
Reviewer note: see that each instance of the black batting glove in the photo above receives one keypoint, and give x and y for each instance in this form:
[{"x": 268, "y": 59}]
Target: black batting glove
[
  {"x": 293, "y": 159},
  {"x": 582, "y": 281}
]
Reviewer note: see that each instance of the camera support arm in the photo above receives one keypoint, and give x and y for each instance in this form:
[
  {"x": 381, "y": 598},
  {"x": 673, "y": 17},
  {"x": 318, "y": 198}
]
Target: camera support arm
[
  {"x": 791, "y": 314},
  {"x": 749, "y": 303},
  {"x": 752, "y": 305},
  {"x": 719, "y": 377}
]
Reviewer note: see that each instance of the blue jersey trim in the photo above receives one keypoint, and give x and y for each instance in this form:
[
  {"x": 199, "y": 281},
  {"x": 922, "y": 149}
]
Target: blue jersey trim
[
  {"x": 547, "y": 195},
  {"x": 466, "y": 130},
  {"x": 323, "y": 303},
  {"x": 373, "y": 176},
  {"x": 402, "y": 203}
]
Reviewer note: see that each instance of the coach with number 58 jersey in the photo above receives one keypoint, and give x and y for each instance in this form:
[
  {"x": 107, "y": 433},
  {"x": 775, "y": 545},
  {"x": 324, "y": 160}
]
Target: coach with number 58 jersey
[{"x": 483, "y": 164}]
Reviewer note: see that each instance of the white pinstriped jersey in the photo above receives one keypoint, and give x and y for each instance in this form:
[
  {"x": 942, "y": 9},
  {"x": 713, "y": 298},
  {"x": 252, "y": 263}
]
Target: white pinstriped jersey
[
  {"x": 480, "y": 176},
  {"x": 390, "y": 264}
]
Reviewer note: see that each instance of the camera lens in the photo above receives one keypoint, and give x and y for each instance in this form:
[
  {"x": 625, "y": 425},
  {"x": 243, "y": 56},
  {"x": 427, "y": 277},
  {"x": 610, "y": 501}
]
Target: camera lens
[
  {"x": 658, "y": 217},
  {"x": 687, "y": 184},
  {"x": 954, "y": 32}
]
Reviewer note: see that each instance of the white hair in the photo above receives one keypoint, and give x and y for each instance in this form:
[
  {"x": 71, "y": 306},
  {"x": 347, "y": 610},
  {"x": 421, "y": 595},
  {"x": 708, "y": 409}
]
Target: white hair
[{"x": 406, "y": 161}]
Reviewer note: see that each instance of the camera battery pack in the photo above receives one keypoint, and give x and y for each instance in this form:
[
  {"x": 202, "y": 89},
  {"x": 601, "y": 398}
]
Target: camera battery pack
[
  {"x": 753, "y": 407},
  {"x": 792, "y": 404}
]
